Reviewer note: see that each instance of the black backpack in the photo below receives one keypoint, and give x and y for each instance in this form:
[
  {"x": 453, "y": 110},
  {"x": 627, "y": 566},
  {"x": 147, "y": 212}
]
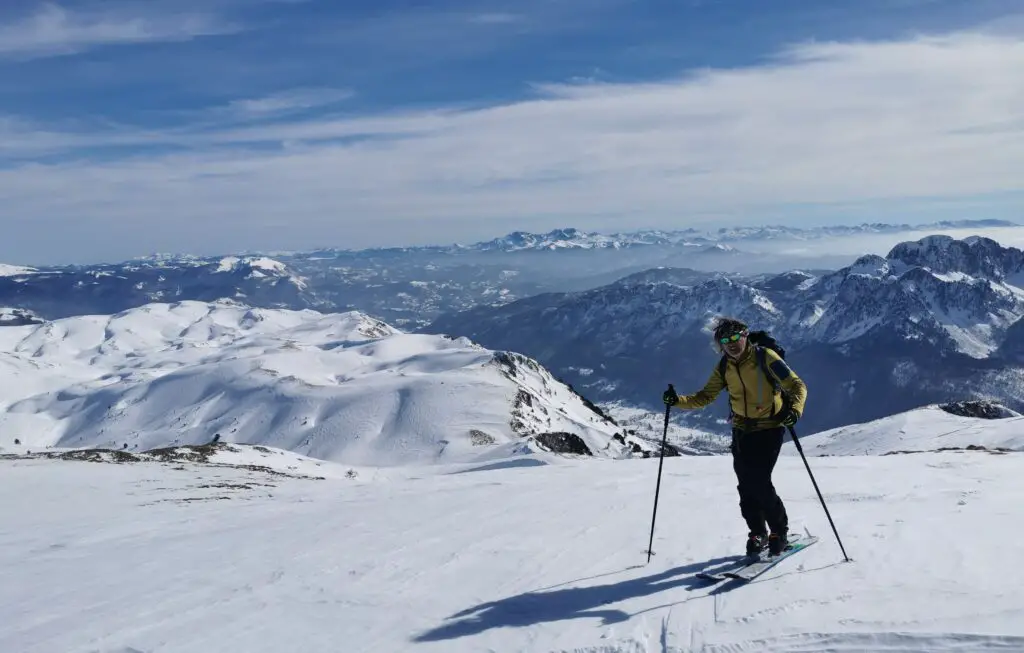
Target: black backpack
[{"x": 761, "y": 340}]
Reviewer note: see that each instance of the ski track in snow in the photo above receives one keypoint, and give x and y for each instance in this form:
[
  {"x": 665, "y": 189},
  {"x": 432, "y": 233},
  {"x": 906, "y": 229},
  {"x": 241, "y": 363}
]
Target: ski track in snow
[{"x": 174, "y": 558}]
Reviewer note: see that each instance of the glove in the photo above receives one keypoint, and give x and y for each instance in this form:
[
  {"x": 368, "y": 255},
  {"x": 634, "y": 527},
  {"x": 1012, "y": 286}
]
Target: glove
[
  {"x": 788, "y": 417},
  {"x": 670, "y": 397}
]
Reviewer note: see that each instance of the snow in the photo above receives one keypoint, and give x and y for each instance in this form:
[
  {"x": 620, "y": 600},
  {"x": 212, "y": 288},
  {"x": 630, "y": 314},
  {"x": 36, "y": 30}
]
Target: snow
[
  {"x": 952, "y": 277},
  {"x": 974, "y": 312},
  {"x": 925, "y": 429},
  {"x": 531, "y": 553},
  {"x": 975, "y": 341},
  {"x": 228, "y": 263},
  {"x": 644, "y": 425},
  {"x": 340, "y": 387},
  {"x": 871, "y": 265},
  {"x": 370, "y": 493},
  {"x": 255, "y": 263},
  {"x": 7, "y": 270},
  {"x": 268, "y": 264}
]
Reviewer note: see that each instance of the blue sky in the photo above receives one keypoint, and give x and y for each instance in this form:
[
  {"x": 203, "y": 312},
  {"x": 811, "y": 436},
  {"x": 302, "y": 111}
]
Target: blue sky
[{"x": 215, "y": 126}]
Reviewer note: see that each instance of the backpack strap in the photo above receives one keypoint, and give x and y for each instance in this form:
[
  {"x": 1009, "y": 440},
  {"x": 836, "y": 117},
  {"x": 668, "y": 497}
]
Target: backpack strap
[
  {"x": 762, "y": 360},
  {"x": 721, "y": 372}
]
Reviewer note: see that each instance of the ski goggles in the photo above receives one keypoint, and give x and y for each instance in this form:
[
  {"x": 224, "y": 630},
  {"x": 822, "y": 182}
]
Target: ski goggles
[{"x": 733, "y": 338}]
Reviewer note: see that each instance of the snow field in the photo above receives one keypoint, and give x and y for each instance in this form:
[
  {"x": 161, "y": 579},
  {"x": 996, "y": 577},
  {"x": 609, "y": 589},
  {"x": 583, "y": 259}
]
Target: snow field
[{"x": 548, "y": 556}]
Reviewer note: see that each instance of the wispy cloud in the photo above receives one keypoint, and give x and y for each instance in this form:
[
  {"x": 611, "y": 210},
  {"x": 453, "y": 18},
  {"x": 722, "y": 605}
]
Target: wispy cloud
[
  {"x": 283, "y": 103},
  {"x": 494, "y": 18},
  {"x": 53, "y": 30},
  {"x": 459, "y": 30},
  {"x": 827, "y": 123}
]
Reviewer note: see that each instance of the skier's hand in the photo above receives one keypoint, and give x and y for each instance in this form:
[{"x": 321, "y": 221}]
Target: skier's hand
[
  {"x": 670, "y": 397},
  {"x": 789, "y": 417}
]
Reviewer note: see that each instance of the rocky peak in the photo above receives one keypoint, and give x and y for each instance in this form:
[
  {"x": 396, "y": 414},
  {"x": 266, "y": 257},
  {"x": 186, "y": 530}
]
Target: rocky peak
[{"x": 976, "y": 256}]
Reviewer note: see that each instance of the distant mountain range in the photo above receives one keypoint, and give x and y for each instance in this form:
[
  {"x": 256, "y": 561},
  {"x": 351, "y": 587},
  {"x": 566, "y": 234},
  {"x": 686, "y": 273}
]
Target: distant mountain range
[
  {"x": 410, "y": 287},
  {"x": 936, "y": 319},
  {"x": 570, "y": 238}
]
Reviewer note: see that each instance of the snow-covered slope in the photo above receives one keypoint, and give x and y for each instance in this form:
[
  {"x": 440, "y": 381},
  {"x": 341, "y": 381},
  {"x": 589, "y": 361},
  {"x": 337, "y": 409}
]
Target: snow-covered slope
[
  {"x": 188, "y": 558},
  {"x": 7, "y": 270},
  {"x": 254, "y": 458},
  {"x": 925, "y": 429},
  {"x": 339, "y": 387}
]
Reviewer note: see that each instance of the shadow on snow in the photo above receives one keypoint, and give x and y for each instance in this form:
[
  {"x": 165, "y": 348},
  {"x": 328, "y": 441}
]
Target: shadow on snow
[{"x": 541, "y": 606}]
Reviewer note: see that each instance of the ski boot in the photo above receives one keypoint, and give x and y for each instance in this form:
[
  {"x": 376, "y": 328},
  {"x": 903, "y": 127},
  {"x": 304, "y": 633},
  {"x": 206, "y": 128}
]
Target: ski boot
[
  {"x": 777, "y": 543},
  {"x": 756, "y": 543}
]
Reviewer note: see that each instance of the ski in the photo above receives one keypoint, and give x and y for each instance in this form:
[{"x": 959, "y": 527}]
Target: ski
[
  {"x": 750, "y": 568},
  {"x": 717, "y": 576},
  {"x": 754, "y": 570}
]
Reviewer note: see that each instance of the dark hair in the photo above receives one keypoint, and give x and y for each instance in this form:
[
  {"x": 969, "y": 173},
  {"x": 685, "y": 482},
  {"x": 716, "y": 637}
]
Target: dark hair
[{"x": 727, "y": 326}]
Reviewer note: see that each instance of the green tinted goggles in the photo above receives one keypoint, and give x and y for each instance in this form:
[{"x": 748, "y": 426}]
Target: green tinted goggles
[{"x": 733, "y": 338}]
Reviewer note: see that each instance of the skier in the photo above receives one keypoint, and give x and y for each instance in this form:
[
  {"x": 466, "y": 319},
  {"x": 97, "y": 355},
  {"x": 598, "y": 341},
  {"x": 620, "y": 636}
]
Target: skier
[{"x": 760, "y": 413}]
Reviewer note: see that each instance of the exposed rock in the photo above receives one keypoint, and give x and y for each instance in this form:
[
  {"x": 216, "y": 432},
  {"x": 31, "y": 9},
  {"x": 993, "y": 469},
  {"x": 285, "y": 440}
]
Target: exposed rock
[
  {"x": 981, "y": 409},
  {"x": 479, "y": 438},
  {"x": 561, "y": 442},
  {"x": 18, "y": 317}
]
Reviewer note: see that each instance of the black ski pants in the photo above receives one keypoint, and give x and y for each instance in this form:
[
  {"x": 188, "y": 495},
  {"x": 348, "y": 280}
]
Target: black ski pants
[{"x": 754, "y": 454}]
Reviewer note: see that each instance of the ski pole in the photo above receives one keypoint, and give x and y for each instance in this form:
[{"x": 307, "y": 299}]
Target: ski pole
[
  {"x": 796, "y": 441},
  {"x": 657, "y": 488}
]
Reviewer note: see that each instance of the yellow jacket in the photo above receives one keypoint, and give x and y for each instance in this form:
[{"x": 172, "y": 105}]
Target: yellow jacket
[{"x": 751, "y": 395}]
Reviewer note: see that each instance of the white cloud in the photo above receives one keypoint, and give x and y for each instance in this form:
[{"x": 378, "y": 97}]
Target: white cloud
[
  {"x": 274, "y": 106},
  {"x": 827, "y": 123},
  {"x": 53, "y": 31},
  {"x": 294, "y": 100}
]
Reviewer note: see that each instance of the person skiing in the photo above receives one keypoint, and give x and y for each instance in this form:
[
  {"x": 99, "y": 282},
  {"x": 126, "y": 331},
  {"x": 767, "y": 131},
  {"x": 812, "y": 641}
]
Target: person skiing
[{"x": 765, "y": 397}]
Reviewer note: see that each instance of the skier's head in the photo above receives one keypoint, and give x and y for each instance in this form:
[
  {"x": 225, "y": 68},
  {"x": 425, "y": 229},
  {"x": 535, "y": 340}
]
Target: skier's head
[{"x": 731, "y": 336}]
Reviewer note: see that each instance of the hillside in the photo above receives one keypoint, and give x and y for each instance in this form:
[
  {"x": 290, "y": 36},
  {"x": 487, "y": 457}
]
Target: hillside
[
  {"x": 339, "y": 387},
  {"x": 931, "y": 428}
]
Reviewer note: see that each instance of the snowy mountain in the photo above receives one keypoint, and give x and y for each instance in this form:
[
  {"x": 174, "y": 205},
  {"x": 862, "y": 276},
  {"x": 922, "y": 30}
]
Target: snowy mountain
[
  {"x": 339, "y": 387},
  {"x": 944, "y": 310},
  {"x": 978, "y": 257},
  {"x": 411, "y": 286},
  {"x": 954, "y": 426},
  {"x": 880, "y": 336},
  {"x": 54, "y": 293},
  {"x": 561, "y": 239},
  {"x": 571, "y": 238},
  {"x": 958, "y": 295},
  {"x": 15, "y": 270},
  {"x": 729, "y": 234},
  {"x": 263, "y": 552},
  {"x": 675, "y": 276},
  {"x": 18, "y": 317}
]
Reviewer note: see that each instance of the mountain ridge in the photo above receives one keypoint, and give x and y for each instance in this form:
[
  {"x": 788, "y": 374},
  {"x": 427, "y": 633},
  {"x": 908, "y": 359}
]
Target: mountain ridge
[
  {"x": 339, "y": 387},
  {"x": 855, "y": 334}
]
